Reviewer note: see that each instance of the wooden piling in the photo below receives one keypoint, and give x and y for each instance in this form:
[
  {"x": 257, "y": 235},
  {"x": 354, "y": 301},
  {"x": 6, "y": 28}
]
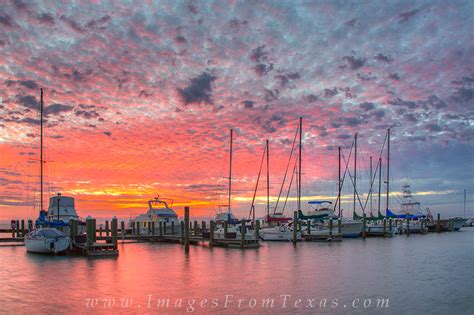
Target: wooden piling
[
  {"x": 122, "y": 229},
  {"x": 330, "y": 228},
  {"x": 172, "y": 227},
  {"x": 30, "y": 225},
  {"x": 225, "y": 228},
  {"x": 195, "y": 228},
  {"x": 339, "y": 227},
  {"x": 149, "y": 227},
  {"x": 242, "y": 233},
  {"x": 138, "y": 228},
  {"x": 12, "y": 225},
  {"x": 308, "y": 226},
  {"x": 390, "y": 226},
  {"x": 17, "y": 228},
  {"x": 161, "y": 228},
  {"x": 203, "y": 226},
  {"x": 451, "y": 225},
  {"x": 23, "y": 228},
  {"x": 182, "y": 232},
  {"x": 107, "y": 228},
  {"x": 164, "y": 227},
  {"x": 212, "y": 227},
  {"x": 438, "y": 223},
  {"x": 384, "y": 227},
  {"x": 257, "y": 229},
  {"x": 408, "y": 224},
  {"x": 114, "y": 231},
  {"x": 186, "y": 234},
  {"x": 152, "y": 227},
  {"x": 295, "y": 226},
  {"x": 90, "y": 232},
  {"x": 94, "y": 227},
  {"x": 133, "y": 227}
]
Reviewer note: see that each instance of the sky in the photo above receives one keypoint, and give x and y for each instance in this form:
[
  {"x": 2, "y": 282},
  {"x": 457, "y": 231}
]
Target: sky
[{"x": 139, "y": 98}]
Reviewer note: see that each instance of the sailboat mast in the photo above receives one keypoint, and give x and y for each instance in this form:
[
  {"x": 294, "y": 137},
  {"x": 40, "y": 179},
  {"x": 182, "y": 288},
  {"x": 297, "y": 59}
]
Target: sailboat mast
[
  {"x": 268, "y": 179},
  {"x": 388, "y": 167},
  {"x": 380, "y": 184},
  {"x": 230, "y": 168},
  {"x": 355, "y": 170},
  {"x": 371, "y": 185},
  {"x": 464, "y": 203},
  {"x": 339, "y": 180},
  {"x": 299, "y": 164},
  {"x": 41, "y": 150}
]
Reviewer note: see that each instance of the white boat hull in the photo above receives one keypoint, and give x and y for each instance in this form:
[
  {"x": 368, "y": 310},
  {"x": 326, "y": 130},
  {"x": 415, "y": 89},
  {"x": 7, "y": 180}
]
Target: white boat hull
[
  {"x": 278, "y": 233},
  {"x": 47, "y": 245}
]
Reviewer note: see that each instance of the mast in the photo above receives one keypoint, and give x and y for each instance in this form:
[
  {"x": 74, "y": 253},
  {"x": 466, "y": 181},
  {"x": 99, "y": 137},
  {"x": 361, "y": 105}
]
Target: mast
[
  {"x": 339, "y": 179},
  {"x": 355, "y": 171},
  {"x": 230, "y": 168},
  {"x": 268, "y": 179},
  {"x": 371, "y": 185},
  {"x": 380, "y": 184},
  {"x": 464, "y": 203},
  {"x": 388, "y": 169},
  {"x": 41, "y": 150},
  {"x": 299, "y": 164}
]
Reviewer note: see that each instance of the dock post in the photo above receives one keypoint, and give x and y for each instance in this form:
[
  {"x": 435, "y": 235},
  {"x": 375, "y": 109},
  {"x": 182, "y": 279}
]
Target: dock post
[
  {"x": 30, "y": 225},
  {"x": 12, "y": 225},
  {"x": 339, "y": 227},
  {"x": 172, "y": 227},
  {"x": 161, "y": 229},
  {"x": 203, "y": 227},
  {"x": 113, "y": 226},
  {"x": 384, "y": 226},
  {"x": 390, "y": 224},
  {"x": 438, "y": 224},
  {"x": 122, "y": 229},
  {"x": 225, "y": 228},
  {"x": 17, "y": 228},
  {"x": 90, "y": 232},
  {"x": 152, "y": 228},
  {"x": 94, "y": 235},
  {"x": 308, "y": 226},
  {"x": 138, "y": 228},
  {"x": 107, "y": 228},
  {"x": 212, "y": 226},
  {"x": 182, "y": 232},
  {"x": 195, "y": 228},
  {"x": 242, "y": 233},
  {"x": 100, "y": 230},
  {"x": 330, "y": 228},
  {"x": 148, "y": 225},
  {"x": 186, "y": 233},
  {"x": 257, "y": 229},
  {"x": 408, "y": 224},
  {"x": 164, "y": 227},
  {"x": 295, "y": 226},
  {"x": 72, "y": 235},
  {"x": 364, "y": 226},
  {"x": 451, "y": 225},
  {"x": 133, "y": 227},
  {"x": 23, "y": 228}
]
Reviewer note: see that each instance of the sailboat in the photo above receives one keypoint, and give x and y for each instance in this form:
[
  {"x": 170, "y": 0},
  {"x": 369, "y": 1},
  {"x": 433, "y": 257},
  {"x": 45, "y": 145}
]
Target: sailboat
[
  {"x": 45, "y": 238},
  {"x": 228, "y": 226}
]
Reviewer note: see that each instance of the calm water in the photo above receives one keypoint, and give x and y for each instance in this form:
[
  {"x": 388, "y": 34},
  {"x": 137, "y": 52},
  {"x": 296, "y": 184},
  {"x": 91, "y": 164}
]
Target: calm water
[{"x": 418, "y": 274}]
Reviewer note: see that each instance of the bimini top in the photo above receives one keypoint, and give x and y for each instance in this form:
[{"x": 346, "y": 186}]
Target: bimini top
[
  {"x": 318, "y": 202},
  {"x": 418, "y": 215}
]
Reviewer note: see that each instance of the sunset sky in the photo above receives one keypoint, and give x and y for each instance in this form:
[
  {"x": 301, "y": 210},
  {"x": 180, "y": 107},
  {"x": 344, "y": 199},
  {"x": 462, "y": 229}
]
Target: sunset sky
[{"x": 140, "y": 97}]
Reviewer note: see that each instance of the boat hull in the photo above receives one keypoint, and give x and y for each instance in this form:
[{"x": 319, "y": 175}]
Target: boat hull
[
  {"x": 278, "y": 233},
  {"x": 47, "y": 245}
]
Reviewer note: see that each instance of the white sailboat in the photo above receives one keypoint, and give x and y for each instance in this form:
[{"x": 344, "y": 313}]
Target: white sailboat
[{"x": 45, "y": 239}]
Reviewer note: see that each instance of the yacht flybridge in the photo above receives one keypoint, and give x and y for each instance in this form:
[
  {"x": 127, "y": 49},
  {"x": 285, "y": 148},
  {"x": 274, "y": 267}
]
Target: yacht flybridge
[{"x": 159, "y": 210}]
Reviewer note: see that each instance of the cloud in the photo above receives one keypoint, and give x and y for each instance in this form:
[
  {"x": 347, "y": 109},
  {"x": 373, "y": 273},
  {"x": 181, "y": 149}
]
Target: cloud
[
  {"x": 199, "y": 90},
  {"x": 405, "y": 16},
  {"x": 381, "y": 57},
  {"x": 57, "y": 109},
  {"x": 367, "y": 106},
  {"x": 107, "y": 133},
  {"x": 27, "y": 101},
  {"x": 248, "y": 104},
  {"x": 433, "y": 127},
  {"x": 394, "y": 76},
  {"x": 355, "y": 63}
]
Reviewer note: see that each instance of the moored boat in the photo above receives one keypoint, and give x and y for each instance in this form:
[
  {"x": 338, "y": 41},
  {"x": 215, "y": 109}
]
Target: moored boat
[
  {"x": 47, "y": 241},
  {"x": 158, "y": 211}
]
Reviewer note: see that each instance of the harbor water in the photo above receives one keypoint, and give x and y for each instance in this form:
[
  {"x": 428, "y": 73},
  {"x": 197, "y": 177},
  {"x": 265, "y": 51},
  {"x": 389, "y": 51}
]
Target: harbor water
[{"x": 418, "y": 274}]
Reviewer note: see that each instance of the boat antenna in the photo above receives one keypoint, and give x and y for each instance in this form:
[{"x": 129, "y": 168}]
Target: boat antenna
[
  {"x": 339, "y": 180},
  {"x": 388, "y": 168},
  {"x": 41, "y": 149},
  {"x": 355, "y": 170},
  {"x": 268, "y": 179},
  {"x": 380, "y": 184},
  {"x": 230, "y": 169},
  {"x": 299, "y": 164}
]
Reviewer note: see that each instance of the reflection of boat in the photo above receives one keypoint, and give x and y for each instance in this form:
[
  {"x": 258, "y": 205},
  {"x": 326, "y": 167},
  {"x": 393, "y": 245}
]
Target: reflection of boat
[
  {"x": 158, "y": 211},
  {"x": 47, "y": 241}
]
